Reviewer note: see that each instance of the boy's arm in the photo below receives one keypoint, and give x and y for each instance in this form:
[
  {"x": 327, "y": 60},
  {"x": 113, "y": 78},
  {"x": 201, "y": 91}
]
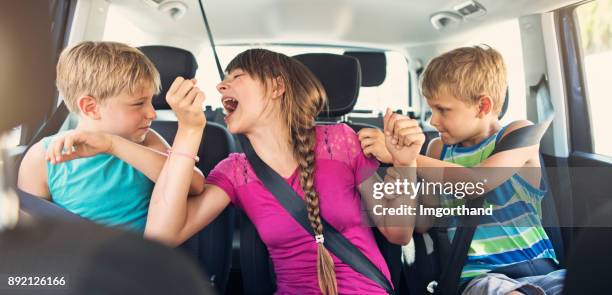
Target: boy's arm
[
  {"x": 32, "y": 177},
  {"x": 155, "y": 141},
  {"x": 510, "y": 160},
  {"x": 147, "y": 160},
  {"x": 150, "y": 160},
  {"x": 397, "y": 229}
]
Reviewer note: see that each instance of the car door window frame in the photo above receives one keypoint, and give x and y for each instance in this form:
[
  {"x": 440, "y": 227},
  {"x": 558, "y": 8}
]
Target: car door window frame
[{"x": 571, "y": 53}]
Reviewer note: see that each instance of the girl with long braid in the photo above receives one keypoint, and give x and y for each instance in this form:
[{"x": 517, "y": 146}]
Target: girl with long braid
[{"x": 274, "y": 100}]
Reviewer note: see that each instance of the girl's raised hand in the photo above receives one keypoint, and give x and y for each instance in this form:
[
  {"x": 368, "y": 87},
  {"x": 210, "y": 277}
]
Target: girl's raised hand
[
  {"x": 373, "y": 144},
  {"x": 186, "y": 100}
]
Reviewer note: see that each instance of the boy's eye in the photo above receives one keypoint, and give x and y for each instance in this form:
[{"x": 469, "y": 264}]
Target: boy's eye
[{"x": 138, "y": 104}]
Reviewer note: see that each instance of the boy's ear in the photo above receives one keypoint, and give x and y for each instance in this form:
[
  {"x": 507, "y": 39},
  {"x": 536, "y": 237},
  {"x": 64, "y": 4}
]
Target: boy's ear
[
  {"x": 89, "y": 107},
  {"x": 485, "y": 106},
  {"x": 278, "y": 87}
]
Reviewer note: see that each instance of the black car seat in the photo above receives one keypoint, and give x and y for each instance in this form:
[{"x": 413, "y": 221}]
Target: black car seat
[
  {"x": 341, "y": 78},
  {"x": 211, "y": 246},
  {"x": 40, "y": 208},
  {"x": 87, "y": 258},
  {"x": 373, "y": 65},
  {"x": 588, "y": 265}
]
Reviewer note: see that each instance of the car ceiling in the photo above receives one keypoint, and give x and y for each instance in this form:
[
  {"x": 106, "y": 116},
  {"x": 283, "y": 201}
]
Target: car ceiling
[{"x": 382, "y": 23}]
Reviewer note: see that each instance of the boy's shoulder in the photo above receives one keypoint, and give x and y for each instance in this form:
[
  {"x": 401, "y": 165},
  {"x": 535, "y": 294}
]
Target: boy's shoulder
[
  {"x": 32, "y": 176},
  {"x": 36, "y": 154},
  {"x": 434, "y": 148}
]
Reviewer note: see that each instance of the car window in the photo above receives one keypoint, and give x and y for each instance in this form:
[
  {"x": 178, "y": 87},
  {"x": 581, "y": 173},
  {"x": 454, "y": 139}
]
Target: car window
[
  {"x": 13, "y": 136},
  {"x": 595, "y": 23},
  {"x": 393, "y": 92},
  {"x": 208, "y": 76}
]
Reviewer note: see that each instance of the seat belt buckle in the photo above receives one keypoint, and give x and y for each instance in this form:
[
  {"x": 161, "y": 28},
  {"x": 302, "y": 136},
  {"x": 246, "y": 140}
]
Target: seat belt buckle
[{"x": 431, "y": 287}]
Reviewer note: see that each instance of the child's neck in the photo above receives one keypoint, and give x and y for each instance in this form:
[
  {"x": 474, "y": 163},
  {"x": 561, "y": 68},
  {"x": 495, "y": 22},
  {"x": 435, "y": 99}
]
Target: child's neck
[
  {"x": 271, "y": 143},
  {"x": 86, "y": 124},
  {"x": 484, "y": 133}
]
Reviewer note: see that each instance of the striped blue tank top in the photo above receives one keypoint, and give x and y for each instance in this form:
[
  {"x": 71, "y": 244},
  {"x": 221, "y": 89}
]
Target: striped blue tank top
[
  {"x": 103, "y": 189},
  {"x": 514, "y": 232}
]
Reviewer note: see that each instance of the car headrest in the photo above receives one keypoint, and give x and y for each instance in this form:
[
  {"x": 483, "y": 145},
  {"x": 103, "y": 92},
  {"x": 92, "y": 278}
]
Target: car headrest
[
  {"x": 340, "y": 75},
  {"x": 373, "y": 66},
  {"x": 171, "y": 62}
]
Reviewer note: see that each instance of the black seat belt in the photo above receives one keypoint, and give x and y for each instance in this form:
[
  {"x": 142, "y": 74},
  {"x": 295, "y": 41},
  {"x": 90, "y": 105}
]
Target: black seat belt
[
  {"x": 450, "y": 276},
  {"x": 53, "y": 124},
  {"x": 295, "y": 206}
]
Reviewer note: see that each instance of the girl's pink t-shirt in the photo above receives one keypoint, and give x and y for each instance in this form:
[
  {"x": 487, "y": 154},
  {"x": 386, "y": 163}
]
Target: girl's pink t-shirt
[{"x": 340, "y": 166}]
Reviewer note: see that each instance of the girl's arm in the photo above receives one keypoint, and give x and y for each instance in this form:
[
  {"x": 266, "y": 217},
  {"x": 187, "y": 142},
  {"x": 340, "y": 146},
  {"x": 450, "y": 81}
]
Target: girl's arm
[
  {"x": 150, "y": 159},
  {"x": 173, "y": 217}
]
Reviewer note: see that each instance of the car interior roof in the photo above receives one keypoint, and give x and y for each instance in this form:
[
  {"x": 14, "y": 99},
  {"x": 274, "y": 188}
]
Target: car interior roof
[{"x": 384, "y": 23}]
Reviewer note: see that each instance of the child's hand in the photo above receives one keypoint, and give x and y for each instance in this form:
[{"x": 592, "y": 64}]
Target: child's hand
[
  {"x": 403, "y": 138},
  {"x": 373, "y": 144},
  {"x": 78, "y": 144},
  {"x": 186, "y": 100}
]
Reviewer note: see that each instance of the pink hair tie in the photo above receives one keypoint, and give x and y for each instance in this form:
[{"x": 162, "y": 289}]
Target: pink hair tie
[{"x": 190, "y": 156}]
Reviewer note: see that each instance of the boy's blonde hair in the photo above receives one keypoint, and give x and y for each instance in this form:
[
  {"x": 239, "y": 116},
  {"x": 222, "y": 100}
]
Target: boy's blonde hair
[
  {"x": 102, "y": 70},
  {"x": 467, "y": 73}
]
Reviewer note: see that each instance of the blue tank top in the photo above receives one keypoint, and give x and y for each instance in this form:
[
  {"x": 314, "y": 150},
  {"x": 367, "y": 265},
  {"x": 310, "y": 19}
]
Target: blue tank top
[
  {"x": 102, "y": 188},
  {"x": 514, "y": 233}
]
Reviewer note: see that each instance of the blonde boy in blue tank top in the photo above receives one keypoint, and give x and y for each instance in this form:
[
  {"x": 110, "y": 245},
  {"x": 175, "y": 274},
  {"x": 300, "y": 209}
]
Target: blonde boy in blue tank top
[
  {"x": 465, "y": 89},
  {"x": 95, "y": 171}
]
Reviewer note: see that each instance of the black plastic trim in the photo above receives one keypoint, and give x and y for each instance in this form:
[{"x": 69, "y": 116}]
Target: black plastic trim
[{"x": 571, "y": 54}]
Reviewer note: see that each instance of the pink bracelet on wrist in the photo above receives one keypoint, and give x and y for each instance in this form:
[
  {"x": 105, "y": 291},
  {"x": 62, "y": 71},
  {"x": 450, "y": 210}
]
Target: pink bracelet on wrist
[{"x": 190, "y": 156}]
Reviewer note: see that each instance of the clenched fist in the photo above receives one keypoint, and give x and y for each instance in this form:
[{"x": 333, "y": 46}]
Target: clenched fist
[
  {"x": 403, "y": 138},
  {"x": 186, "y": 99}
]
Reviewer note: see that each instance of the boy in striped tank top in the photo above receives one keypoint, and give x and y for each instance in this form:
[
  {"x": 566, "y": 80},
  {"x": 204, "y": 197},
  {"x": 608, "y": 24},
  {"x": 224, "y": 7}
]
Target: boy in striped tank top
[{"x": 465, "y": 89}]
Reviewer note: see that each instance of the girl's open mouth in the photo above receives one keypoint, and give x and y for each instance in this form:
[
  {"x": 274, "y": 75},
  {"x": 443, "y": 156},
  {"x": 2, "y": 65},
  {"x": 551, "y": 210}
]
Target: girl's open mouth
[{"x": 230, "y": 105}]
